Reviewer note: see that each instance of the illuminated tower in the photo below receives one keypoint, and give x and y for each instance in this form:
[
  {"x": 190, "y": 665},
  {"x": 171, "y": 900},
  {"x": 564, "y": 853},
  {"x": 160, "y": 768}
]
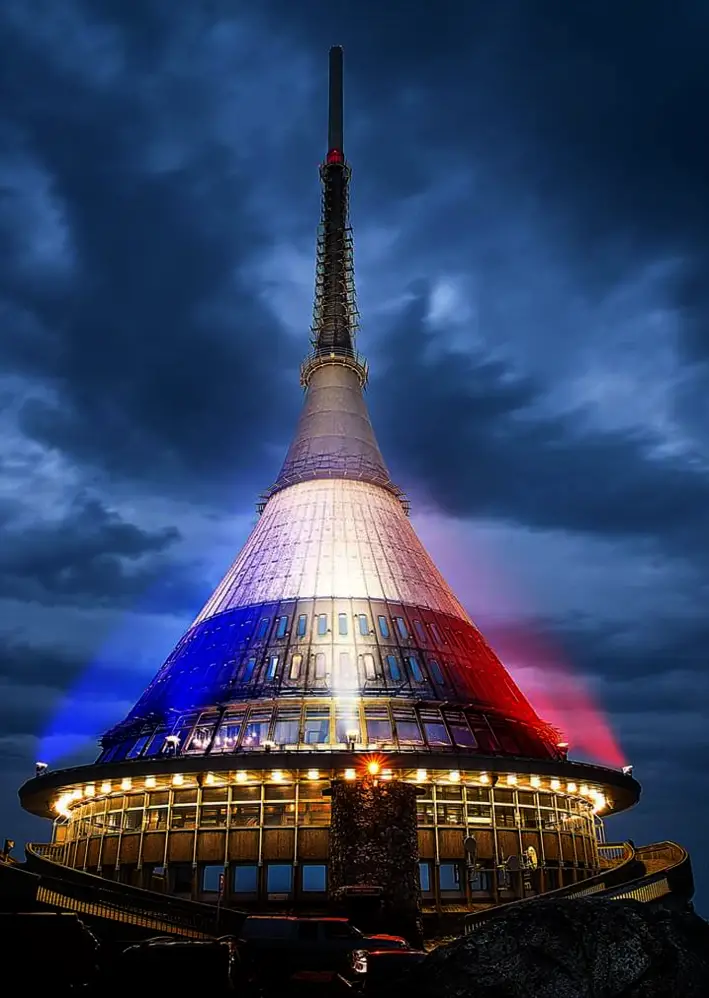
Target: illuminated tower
[{"x": 332, "y": 644}]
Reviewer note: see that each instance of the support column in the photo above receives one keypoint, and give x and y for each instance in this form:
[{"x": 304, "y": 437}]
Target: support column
[{"x": 374, "y": 843}]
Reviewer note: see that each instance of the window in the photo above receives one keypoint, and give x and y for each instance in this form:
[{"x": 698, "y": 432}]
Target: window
[
  {"x": 272, "y": 667},
  {"x": 364, "y": 625},
  {"x": 370, "y": 671},
  {"x": 262, "y": 628},
  {"x": 287, "y": 727},
  {"x": 322, "y": 624},
  {"x": 211, "y": 878},
  {"x": 279, "y": 878},
  {"x": 449, "y": 877},
  {"x": 425, "y": 877},
  {"x": 314, "y": 813},
  {"x": 213, "y": 816},
  {"x": 480, "y": 881},
  {"x": 320, "y": 668},
  {"x": 436, "y": 672},
  {"x": 281, "y": 627},
  {"x": 138, "y": 747},
  {"x": 407, "y": 728},
  {"x": 420, "y": 632},
  {"x": 401, "y": 628},
  {"x": 383, "y": 626},
  {"x": 378, "y": 725},
  {"x": 314, "y": 877},
  {"x": 256, "y": 731},
  {"x": 279, "y": 814},
  {"x": 436, "y": 634},
  {"x": 199, "y": 740},
  {"x": 183, "y": 817},
  {"x": 436, "y": 733},
  {"x": 245, "y": 815},
  {"x": 248, "y": 672},
  {"x": 246, "y": 880},
  {"x": 302, "y": 625},
  {"x": 316, "y": 730},
  {"x": 393, "y": 667},
  {"x": 347, "y": 674},
  {"x": 415, "y": 668},
  {"x": 347, "y": 724},
  {"x": 295, "y": 664},
  {"x": 462, "y": 735},
  {"x": 342, "y": 623},
  {"x": 228, "y": 734}
]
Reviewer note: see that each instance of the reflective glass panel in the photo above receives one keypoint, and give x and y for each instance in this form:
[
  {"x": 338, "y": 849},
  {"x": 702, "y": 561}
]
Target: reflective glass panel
[
  {"x": 393, "y": 667},
  {"x": 314, "y": 877},
  {"x": 302, "y": 625},
  {"x": 383, "y": 626},
  {"x": 370, "y": 671},
  {"x": 282, "y": 627},
  {"x": 295, "y": 664},
  {"x": 436, "y": 733},
  {"x": 342, "y": 623},
  {"x": 415, "y": 668},
  {"x": 279, "y": 878},
  {"x": 401, "y": 627},
  {"x": 246, "y": 879},
  {"x": 363, "y": 625},
  {"x": 322, "y": 624},
  {"x": 316, "y": 730}
]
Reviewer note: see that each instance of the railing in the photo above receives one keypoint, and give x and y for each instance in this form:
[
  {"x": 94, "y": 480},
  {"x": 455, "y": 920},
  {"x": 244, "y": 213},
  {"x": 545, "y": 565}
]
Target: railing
[
  {"x": 629, "y": 878},
  {"x": 77, "y": 890}
]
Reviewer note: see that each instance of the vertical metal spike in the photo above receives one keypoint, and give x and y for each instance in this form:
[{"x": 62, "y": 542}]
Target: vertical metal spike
[{"x": 335, "y": 137}]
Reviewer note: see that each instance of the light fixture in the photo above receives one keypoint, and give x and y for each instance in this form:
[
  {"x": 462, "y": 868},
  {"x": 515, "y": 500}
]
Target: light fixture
[
  {"x": 241, "y": 776},
  {"x": 150, "y": 782},
  {"x": 511, "y": 779},
  {"x": 350, "y": 774},
  {"x": 76, "y": 794},
  {"x": 126, "y": 783},
  {"x": 571, "y": 787},
  {"x": 454, "y": 776},
  {"x": 421, "y": 775},
  {"x": 90, "y": 789},
  {"x": 40, "y": 768},
  {"x": 535, "y": 781},
  {"x": 172, "y": 740},
  {"x": 555, "y": 784},
  {"x": 584, "y": 790},
  {"x": 373, "y": 767},
  {"x": 484, "y": 778},
  {"x": 106, "y": 787},
  {"x": 209, "y": 778},
  {"x": 277, "y": 776},
  {"x": 178, "y": 779},
  {"x": 268, "y": 745},
  {"x": 351, "y": 737},
  {"x": 627, "y": 770},
  {"x": 313, "y": 774}
]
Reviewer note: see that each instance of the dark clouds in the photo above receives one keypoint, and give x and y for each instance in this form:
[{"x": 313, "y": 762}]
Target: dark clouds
[{"x": 531, "y": 211}]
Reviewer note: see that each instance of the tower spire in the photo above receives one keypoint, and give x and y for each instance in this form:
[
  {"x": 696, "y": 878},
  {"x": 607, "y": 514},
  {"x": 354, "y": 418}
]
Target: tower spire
[{"x": 335, "y": 141}]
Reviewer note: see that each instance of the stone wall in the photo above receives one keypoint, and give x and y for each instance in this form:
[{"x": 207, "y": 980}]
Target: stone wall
[{"x": 374, "y": 843}]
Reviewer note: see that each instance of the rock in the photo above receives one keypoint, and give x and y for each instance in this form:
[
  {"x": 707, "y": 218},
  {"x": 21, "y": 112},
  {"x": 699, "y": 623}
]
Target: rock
[{"x": 586, "y": 948}]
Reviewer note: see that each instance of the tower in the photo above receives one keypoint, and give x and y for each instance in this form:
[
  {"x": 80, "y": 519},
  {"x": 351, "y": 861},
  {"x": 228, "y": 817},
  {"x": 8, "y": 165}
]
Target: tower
[{"x": 332, "y": 653}]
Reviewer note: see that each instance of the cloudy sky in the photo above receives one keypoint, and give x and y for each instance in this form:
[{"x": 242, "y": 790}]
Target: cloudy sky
[{"x": 531, "y": 210}]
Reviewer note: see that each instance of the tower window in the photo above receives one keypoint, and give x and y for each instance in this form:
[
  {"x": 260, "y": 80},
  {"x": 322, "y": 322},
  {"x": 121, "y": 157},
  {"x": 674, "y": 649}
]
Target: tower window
[
  {"x": 420, "y": 630},
  {"x": 282, "y": 627},
  {"x": 320, "y": 669},
  {"x": 322, "y": 624},
  {"x": 449, "y": 877},
  {"x": 314, "y": 877},
  {"x": 369, "y": 670},
  {"x": 211, "y": 878},
  {"x": 425, "y": 877},
  {"x": 378, "y": 724},
  {"x": 272, "y": 667},
  {"x": 415, "y": 668},
  {"x": 248, "y": 670},
  {"x": 393, "y": 667},
  {"x": 436, "y": 634},
  {"x": 246, "y": 880},
  {"x": 383, "y": 626},
  {"x": 401, "y": 628},
  {"x": 295, "y": 664},
  {"x": 436, "y": 672},
  {"x": 279, "y": 878},
  {"x": 364, "y": 625},
  {"x": 342, "y": 623},
  {"x": 302, "y": 625},
  {"x": 263, "y": 628}
]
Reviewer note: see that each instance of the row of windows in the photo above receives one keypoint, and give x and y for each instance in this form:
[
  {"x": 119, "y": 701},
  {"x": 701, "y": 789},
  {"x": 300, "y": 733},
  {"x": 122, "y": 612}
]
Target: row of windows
[
  {"x": 361, "y": 623},
  {"x": 345, "y": 670}
]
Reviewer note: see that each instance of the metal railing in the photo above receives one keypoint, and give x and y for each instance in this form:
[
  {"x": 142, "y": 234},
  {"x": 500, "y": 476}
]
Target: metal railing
[
  {"x": 77, "y": 890},
  {"x": 628, "y": 879}
]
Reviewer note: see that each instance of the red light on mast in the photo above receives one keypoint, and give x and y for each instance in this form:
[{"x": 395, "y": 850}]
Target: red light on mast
[{"x": 335, "y": 156}]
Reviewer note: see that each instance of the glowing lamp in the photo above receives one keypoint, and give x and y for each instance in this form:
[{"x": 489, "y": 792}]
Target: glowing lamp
[
  {"x": 209, "y": 778},
  {"x": 150, "y": 782},
  {"x": 106, "y": 787},
  {"x": 555, "y": 784},
  {"x": 277, "y": 776},
  {"x": 584, "y": 790},
  {"x": 40, "y": 768},
  {"x": 373, "y": 767},
  {"x": 241, "y": 776},
  {"x": 535, "y": 781},
  {"x": 178, "y": 779},
  {"x": 454, "y": 776},
  {"x": 571, "y": 787},
  {"x": 313, "y": 774},
  {"x": 126, "y": 783},
  {"x": 350, "y": 774},
  {"x": 421, "y": 775},
  {"x": 484, "y": 778},
  {"x": 511, "y": 779},
  {"x": 90, "y": 789}
]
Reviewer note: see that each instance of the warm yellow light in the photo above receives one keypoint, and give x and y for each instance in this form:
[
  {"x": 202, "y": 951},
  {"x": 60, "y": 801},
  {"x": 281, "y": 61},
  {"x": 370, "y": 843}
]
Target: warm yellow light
[
  {"x": 105, "y": 787},
  {"x": 571, "y": 787},
  {"x": 454, "y": 776},
  {"x": 421, "y": 775},
  {"x": 209, "y": 778},
  {"x": 241, "y": 776},
  {"x": 555, "y": 784},
  {"x": 584, "y": 790},
  {"x": 277, "y": 776},
  {"x": 350, "y": 774},
  {"x": 373, "y": 767},
  {"x": 178, "y": 779},
  {"x": 90, "y": 789},
  {"x": 61, "y": 805},
  {"x": 126, "y": 783},
  {"x": 511, "y": 779},
  {"x": 387, "y": 774},
  {"x": 484, "y": 778},
  {"x": 313, "y": 774},
  {"x": 150, "y": 782},
  {"x": 535, "y": 781}
]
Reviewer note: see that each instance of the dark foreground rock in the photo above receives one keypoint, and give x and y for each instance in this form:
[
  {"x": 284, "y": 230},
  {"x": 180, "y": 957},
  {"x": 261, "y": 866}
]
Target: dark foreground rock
[{"x": 573, "y": 949}]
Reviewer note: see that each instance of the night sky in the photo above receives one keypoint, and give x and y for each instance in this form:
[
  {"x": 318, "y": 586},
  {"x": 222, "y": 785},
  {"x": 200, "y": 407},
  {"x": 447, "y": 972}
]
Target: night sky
[{"x": 530, "y": 200}]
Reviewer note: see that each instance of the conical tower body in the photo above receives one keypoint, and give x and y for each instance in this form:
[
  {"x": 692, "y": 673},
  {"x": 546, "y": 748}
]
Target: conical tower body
[{"x": 332, "y": 640}]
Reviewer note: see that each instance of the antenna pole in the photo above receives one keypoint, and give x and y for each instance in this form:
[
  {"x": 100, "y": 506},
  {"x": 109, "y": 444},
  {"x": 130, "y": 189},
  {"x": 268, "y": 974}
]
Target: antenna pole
[{"x": 334, "y": 131}]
